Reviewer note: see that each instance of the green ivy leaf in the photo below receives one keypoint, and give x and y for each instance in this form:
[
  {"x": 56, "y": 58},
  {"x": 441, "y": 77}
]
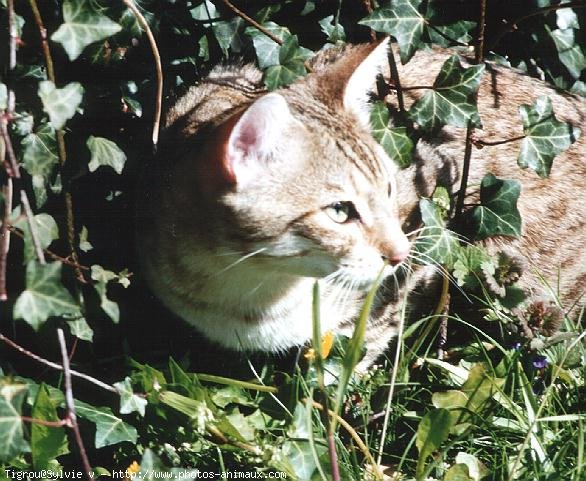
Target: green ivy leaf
[
  {"x": 39, "y": 154},
  {"x": 334, "y": 32},
  {"x": 402, "y": 19},
  {"x": 545, "y": 136},
  {"x": 44, "y": 295},
  {"x": 60, "y": 104},
  {"x": 267, "y": 50},
  {"x": 433, "y": 430},
  {"x": 83, "y": 25},
  {"x": 108, "y": 306},
  {"x": 84, "y": 244},
  {"x": 12, "y": 441},
  {"x": 570, "y": 52},
  {"x": 105, "y": 152},
  {"x": 110, "y": 429},
  {"x": 435, "y": 244},
  {"x": 397, "y": 144},
  {"x": 227, "y": 34},
  {"x": 47, "y": 442},
  {"x": 81, "y": 329},
  {"x": 452, "y": 99},
  {"x": 291, "y": 64},
  {"x": 46, "y": 229},
  {"x": 497, "y": 213},
  {"x": 129, "y": 402},
  {"x": 447, "y": 35}
]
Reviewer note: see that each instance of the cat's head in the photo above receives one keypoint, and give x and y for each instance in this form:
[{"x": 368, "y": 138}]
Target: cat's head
[{"x": 300, "y": 182}]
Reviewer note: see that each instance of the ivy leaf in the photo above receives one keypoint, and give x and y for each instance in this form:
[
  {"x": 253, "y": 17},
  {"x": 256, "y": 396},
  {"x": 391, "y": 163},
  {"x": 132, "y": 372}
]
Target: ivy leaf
[
  {"x": 82, "y": 26},
  {"x": 335, "y": 32},
  {"x": 397, "y": 144},
  {"x": 39, "y": 154},
  {"x": 452, "y": 99},
  {"x": 129, "y": 402},
  {"x": 60, "y": 104},
  {"x": 105, "y": 152},
  {"x": 81, "y": 329},
  {"x": 47, "y": 442},
  {"x": 84, "y": 244},
  {"x": 46, "y": 229},
  {"x": 545, "y": 136},
  {"x": 110, "y": 429},
  {"x": 12, "y": 442},
  {"x": 108, "y": 306},
  {"x": 570, "y": 52},
  {"x": 267, "y": 50},
  {"x": 435, "y": 244},
  {"x": 44, "y": 295},
  {"x": 227, "y": 34},
  {"x": 498, "y": 213},
  {"x": 447, "y": 35},
  {"x": 291, "y": 64},
  {"x": 402, "y": 19}
]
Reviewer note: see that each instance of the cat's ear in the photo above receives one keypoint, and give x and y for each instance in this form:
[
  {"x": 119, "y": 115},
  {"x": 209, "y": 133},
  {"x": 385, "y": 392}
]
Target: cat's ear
[
  {"x": 361, "y": 82},
  {"x": 255, "y": 137},
  {"x": 349, "y": 79}
]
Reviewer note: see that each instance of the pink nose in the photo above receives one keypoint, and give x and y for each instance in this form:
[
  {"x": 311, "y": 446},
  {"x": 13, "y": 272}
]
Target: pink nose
[{"x": 396, "y": 257}]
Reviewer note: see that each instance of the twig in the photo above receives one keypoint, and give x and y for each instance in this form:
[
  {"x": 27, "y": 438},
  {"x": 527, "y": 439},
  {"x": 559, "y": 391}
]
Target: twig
[
  {"x": 54, "y": 365},
  {"x": 510, "y": 26},
  {"x": 71, "y": 416},
  {"x": 43, "y": 422},
  {"x": 352, "y": 432},
  {"x": 479, "y": 143},
  {"x": 396, "y": 79},
  {"x": 158, "y": 68},
  {"x": 414, "y": 87},
  {"x": 479, "y": 53},
  {"x": 252, "y": 22},
  {"x": 5, "y": 235},
  {"x": 62, "y": 151},
  {"x": 14, "y": 173},
  {"x": 478, "y": 57},
  {"x": 50, "y": 253}
]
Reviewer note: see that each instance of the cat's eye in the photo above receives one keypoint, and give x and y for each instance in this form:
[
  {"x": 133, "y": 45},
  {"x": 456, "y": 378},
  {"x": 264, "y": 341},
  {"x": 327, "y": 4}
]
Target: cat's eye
[{"x": 342, "y": 212}]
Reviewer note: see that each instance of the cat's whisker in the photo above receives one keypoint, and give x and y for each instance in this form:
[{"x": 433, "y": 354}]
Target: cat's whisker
[{"x": 239, "y": 260}]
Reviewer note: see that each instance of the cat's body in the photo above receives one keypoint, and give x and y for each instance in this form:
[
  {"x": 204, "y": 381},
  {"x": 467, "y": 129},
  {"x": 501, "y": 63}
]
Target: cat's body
[{"x": 254, "y": 196}]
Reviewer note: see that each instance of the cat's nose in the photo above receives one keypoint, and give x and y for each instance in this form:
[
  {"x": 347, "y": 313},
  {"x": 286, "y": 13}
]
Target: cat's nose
[{"x": 396, "y": 251}]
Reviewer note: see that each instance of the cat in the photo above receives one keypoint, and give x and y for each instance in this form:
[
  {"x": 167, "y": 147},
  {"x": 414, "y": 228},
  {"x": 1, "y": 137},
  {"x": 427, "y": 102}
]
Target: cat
[{"x": 255, "y": 195}]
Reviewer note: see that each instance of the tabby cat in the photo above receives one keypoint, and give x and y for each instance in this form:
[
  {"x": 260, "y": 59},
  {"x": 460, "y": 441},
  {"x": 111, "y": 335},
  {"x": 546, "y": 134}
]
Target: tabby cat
[{"x": 254, "y": 195}]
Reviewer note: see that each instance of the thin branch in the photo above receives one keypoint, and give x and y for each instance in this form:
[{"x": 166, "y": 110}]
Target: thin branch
[
  {"x": 43, "y": 422},
  {"x": 56, "y": 366},
  {"x": 414, "y": 87},
  {"x": 50, "y": 253},
  {"x": 252, "y": 22},
  {"x": 396, "y": 79},
  {"x": 71, "y": 416},
  {"x": 479, "y": 53},
  {"x": 510, "y": 26},
  {"x": 158, "y": 68},
  {"x": 7, "y": 191},
  {"x": 352, "y": 432},
  {"x": 14, "y": 173},
  {"x": 60, "y": 134},
  {"x": 479, "y": 143}
]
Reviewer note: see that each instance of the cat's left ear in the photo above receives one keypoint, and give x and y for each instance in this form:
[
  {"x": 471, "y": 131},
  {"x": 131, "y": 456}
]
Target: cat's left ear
[
  {"x": 361, "y": 82},
  {"x": 256, "y": 136}
]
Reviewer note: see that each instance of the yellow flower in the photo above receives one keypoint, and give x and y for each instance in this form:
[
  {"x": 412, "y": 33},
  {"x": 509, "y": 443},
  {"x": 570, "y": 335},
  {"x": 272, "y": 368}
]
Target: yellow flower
[
  {"x": 327, "y": 341},
  {"x": 132, "y": 470}
]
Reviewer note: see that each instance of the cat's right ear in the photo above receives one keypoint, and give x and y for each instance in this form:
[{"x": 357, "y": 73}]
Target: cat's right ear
[{"x": 254, "y": 138}]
